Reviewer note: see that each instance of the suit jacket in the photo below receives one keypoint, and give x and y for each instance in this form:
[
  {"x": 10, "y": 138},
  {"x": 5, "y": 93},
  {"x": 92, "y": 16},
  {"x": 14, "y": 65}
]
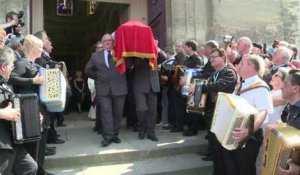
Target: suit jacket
[
  {"x": 107, "y": 79},
  {"x": 144, "y": 78},
  {"x": 21, "y": 78}
]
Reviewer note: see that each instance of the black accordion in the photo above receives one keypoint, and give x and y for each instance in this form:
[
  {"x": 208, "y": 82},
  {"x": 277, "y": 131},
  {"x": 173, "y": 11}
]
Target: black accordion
[{"x": 28, "y": 127}]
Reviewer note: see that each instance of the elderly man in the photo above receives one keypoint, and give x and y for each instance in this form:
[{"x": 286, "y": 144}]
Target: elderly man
[
  {"x": 111, "y": 90},
  {"x": 253, "y": 89},
  {"x": 244, "y": 47},
  {"x": 281, "y": 58},
  {"x": 291, "y": 92}
]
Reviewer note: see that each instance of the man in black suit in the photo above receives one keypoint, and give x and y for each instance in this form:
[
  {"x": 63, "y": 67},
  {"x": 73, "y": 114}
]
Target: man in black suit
[
  {"x": 14, "y": 159},
  {"x": 145, "y": 87},
  {"x": 111, "y": 90}
]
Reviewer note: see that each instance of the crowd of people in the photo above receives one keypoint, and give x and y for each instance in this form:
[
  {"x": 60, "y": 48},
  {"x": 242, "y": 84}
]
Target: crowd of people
[
  {"x": 261, "y": 76},
  {"x": 268, "y": 78}
]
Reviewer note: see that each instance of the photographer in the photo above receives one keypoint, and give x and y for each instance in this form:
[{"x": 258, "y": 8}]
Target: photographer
[{"x": 14, "y": 23}]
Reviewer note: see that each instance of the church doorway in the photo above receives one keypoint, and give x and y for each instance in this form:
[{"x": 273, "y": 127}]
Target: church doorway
[{"x": 73, "y": 34}]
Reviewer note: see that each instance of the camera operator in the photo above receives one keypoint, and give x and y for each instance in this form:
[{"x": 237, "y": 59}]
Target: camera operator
[{"x": 16, "y": 23}]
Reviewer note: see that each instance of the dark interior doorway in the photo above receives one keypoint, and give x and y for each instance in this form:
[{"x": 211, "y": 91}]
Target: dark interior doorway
[{"x": 73, "y": 36}]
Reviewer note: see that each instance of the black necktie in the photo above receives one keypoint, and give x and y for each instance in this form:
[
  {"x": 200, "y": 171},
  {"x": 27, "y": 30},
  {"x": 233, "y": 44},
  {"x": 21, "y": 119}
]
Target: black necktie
[{"x": 109, "y": 58}]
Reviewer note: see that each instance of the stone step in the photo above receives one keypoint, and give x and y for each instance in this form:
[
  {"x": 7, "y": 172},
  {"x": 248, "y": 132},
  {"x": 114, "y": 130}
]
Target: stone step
[
  {"x": 82, "y": 148},
  {"x": 184, "y": 164}
]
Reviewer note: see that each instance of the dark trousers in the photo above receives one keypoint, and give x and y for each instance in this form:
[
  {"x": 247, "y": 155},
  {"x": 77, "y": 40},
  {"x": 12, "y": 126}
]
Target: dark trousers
[
  {"x": 216, "y": 152},
  {"x": 242, "y": 161},
  {"x": 177, "y": 105},
  {"x": 146, "y": 110},
  {"x": 111, "y": 114},
  {"x": 98, "y": 123},
  {"x": 17, "y": 161}
]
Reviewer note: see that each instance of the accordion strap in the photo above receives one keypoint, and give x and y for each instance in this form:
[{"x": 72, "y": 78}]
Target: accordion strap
[{"x": 254, "y": 86}]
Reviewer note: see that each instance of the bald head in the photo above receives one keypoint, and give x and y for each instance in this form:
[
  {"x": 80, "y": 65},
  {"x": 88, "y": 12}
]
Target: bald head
[
  {"x": 107, "y": 41},
  {"x": 244, "y": 45}
]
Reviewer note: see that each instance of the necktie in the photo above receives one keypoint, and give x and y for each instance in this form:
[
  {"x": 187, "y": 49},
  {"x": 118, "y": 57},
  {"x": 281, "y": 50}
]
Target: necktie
[{"x": 109, "y": 58}]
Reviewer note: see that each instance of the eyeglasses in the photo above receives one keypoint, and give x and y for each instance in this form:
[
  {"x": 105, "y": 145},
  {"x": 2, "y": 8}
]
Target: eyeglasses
[{"x": 214, "y": 56}]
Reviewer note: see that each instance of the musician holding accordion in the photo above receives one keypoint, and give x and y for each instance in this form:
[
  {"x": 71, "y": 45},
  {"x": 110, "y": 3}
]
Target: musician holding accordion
[
  {"x": 291, "y": 92},
  {"x": 14, "y": 158},
  {"x": 224, "y": 79}
]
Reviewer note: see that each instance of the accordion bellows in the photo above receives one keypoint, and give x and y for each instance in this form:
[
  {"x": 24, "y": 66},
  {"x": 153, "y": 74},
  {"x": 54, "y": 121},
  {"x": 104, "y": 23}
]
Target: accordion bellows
[
  {"x": 27, "y": 127},
  {"x": 53, "y": 92},
  {"x": 231, "y": 111},
  {"x": 281, "y": 142}
]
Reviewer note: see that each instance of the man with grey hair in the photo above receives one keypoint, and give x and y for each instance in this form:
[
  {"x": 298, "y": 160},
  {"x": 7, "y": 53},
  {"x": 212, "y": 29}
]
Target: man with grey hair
[
  {"x": 15, "y": 44},
  {"x": 256, "y": 92},
  {"x": 244, "y": 46},
  {"x": 281, "y": 58}
]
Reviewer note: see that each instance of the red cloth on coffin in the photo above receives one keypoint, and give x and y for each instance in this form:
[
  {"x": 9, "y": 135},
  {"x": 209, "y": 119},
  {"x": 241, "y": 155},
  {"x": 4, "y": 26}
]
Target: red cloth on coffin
[{"x": 134, "y": 39}]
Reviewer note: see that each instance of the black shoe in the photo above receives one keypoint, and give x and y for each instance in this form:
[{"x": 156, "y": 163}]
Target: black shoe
[
  {"x": 152, "y": 137},
  {"x": 56, "y": 141},
  {"x": 207, "y": 158},
  {"x": 50, "y": 147},
  {"x": 141, "y": 135},
  {"x": 176, "y": 129},
  {"x": 190, "y": 133},
  {"x": 116, "y": 140},
  {"x": 206, "y": 154},
  {"x": 61, "y": 125},
  {"x": 47, "y": 173},
  {"x": 166, "y": 127},
  {"x": 49, "y": 152},
  {"x": 106, "y": 142}
]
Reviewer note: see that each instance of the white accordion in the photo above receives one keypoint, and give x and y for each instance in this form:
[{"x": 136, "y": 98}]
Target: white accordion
[
  {"x": 53, "y": 92},
  {"x": 231, "y": 112}
]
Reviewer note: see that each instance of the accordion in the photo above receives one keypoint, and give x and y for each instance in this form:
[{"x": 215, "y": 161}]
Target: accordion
[
  {"x": 196, "y": 103},
  {"x": 53, "y": 92},
  {"x": 58, "y": 64},
  {"x": 231, "y": 111},
  {"x": 190, "y": 74},
  {"x": 281, "y": 142},
  {"x": 27, "y": 128}
]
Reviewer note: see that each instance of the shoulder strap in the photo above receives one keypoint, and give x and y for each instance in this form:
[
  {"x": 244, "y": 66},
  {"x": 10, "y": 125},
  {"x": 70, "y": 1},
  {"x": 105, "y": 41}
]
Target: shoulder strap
[{"x": 254, "y": 86}]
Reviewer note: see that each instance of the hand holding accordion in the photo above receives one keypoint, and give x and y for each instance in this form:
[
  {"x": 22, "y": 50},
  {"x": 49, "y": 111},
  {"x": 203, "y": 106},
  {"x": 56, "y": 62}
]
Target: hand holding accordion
[
  {"x": 53, "y": 91},
  {"x": 282, "y": 142},
  {"x": 231, "y": 112}
]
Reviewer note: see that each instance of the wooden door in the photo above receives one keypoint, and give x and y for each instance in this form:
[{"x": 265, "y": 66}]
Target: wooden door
[{"x": 157, "y": 20}]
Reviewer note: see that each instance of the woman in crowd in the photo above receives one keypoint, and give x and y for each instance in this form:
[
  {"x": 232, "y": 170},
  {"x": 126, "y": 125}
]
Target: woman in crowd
[
  {"x": 278, "y": 102},
  {"x": 79, "y": 87}
]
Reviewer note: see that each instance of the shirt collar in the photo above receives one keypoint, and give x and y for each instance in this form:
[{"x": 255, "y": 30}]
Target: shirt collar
[{"x": 250, "y": 81}]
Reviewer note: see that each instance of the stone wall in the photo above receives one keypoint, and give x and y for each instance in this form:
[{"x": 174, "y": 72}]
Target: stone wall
[
  {"x": 15, "y": 5},
  {"x": 186, "y": 19},
  {"x": 263, "y": 21}
]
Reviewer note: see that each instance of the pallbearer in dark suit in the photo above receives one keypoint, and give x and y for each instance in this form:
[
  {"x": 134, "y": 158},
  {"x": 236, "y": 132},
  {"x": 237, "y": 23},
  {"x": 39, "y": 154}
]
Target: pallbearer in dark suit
[
  {"x": 145, "y": 87},
  {"x": 111, "y": 89}
]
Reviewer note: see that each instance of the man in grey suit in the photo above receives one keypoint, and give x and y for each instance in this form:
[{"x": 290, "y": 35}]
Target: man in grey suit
[
  {"x": 111, "y": 89},
  {"x": 145, "y": 87}
]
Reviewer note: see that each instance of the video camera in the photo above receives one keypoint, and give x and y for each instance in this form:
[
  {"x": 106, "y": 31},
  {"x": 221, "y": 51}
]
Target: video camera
[
  {"x": 20, "y": 16},
  {"x": 228, "y": 38}
]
